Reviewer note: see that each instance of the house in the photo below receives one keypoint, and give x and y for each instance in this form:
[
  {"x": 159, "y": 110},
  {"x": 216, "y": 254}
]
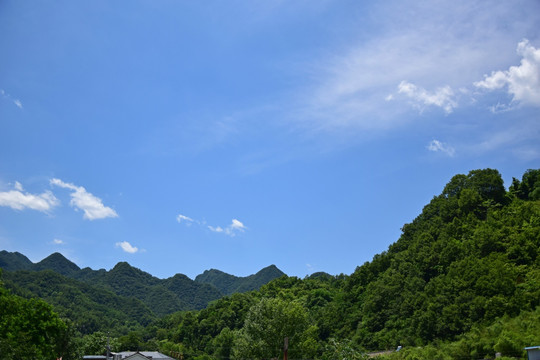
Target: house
[
  {"x": 130, "y": 355},
  {"x": 533, "y": 352},
  {"x": 141, "y": 355}
]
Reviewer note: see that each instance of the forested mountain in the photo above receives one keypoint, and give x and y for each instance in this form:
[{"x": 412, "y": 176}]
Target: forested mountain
[
  {"x": 58, "y": 263},
  {"x": 229, "y": 284},
  {"x": 455, "y": 285},
  {"x": 12, "y": 261},
  {"x": 161, "y": 296},
  {"x": 102, "y": 296},
  {"x": 91, "y": 308},
  {"x": 461, "y": 282}
]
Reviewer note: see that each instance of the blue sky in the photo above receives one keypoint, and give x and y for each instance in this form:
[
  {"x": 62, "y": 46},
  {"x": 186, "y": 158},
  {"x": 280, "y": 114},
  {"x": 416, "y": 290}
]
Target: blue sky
[{"x": 187, "y": 135}]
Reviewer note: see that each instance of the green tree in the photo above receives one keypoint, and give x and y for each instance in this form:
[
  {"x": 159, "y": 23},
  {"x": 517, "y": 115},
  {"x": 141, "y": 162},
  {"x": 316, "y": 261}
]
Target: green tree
[
  {"x": 29, "y": 329},
  {"x": 342, "y": 350},
  {"x": 95, "y": 344},
  {"x": 266, "y": 326}
]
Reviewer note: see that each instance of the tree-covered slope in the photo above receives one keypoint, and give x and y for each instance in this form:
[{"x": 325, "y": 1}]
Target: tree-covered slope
[
  {"x": 29, "y": 329},
  {"x": 229, "y": 284},
  {"x": 12, "y": 261},
  {"x": 196, "y": 294},
  {"x": 57, "y": 263},
  {"x": 470, "y": 257},
  {"x": 162, "y": 296},
  {"x": 91, "y": 308},
  {"x": 468, "y": 263},
  {"x": 127, "y": 280}
]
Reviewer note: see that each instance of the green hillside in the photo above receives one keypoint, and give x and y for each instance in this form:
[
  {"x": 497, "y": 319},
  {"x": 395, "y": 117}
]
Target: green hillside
[
  {"x": 161, "y": 296},
  {"x": 12, "y": 261},
  {"x": 90, "y": 308},
  {"x": 229, "y": 284},
  {"x": 57, "y": 263},
  {"x": 29, "y": 329},
  {"x": 455, "y": 285}
]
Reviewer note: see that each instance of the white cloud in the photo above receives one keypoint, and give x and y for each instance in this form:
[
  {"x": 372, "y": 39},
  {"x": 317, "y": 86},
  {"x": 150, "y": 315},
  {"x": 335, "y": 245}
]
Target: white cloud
[
  {"x": 58, "y": 242},
  {"x": 19, "y": 200},
  {"x": 426, "y": 43},
  {"x": 437, "y": 146},
  {"x": 7, "y": 96},
  {"x": 91, "y": 205},
  {"x": 235, "y": 227},
  {"x": 442, "y": 97},
  {"x": 185, "y": 219},
  {"x": 217, "y": 229},
  {"x": 522, "y": 82},
  {"x": 127, "y": 247}
]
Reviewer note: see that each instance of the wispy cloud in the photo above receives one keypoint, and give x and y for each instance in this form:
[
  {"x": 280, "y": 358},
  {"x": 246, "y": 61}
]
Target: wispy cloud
[
  {"x": 18, "y": 199},
  {"x": 7, "y": 96},
  {"x": 521, "y": 82},
  {"x": 438, "y": 146},
  {"x": 81, "y": 199},
  {"x": 58, "y": 242},
  {"x": 217, "y": 229},
  {"x": 430, "y": 51},
  {"x": 18, "y": 186},
  {"x": 235, "y": 227},
  {"x": 442, "y": 97},
  {"x": 127, "y": 247},
  {"x": 184, "y": 219}
]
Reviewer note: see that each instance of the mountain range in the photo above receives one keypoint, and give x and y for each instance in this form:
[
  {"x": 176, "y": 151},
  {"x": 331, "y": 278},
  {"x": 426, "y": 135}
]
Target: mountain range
[{"x": 122, "y": 290}]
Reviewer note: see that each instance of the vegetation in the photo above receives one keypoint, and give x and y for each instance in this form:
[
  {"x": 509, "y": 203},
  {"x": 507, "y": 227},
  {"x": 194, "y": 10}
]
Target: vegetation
[
  {"x": 111, "y": 296},
  {"x": 230, "y": 284},
  {"x": 90, "y": 308},
  {"x": 29, "y": 329},
  {"x": 461, "y": 282},
  {"x": 469, "y": 261}
]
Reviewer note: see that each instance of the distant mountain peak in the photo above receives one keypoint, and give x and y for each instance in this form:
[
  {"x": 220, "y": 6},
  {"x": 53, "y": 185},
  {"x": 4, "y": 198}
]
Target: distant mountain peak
[
  {"x": 58, "y": 263},
  {"x": 270, "y": 268},
  {"x": 13, "y": 261},
  {"x": 228, "y": 284}
]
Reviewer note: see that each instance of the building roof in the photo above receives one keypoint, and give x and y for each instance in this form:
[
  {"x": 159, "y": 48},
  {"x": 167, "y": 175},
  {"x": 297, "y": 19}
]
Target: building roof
[{"x": 155, "y": 355}]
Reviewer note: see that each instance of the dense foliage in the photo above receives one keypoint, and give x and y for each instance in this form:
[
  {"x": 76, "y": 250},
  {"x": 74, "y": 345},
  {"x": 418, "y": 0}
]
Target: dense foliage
[
  {"x": 91, "y": 308},
  {"x": 29, "y": 329},
  {"x": 161, "y": 296},
  {"x": 468, "y": 261},
  {"x": 462, "y": 281},
  {"x": 230, "y": 284}
]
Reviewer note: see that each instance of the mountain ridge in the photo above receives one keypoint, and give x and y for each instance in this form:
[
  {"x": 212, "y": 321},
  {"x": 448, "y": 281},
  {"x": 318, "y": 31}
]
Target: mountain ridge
[
  {"x": 14, "y": 261},
  {"x": 162, "y": 296},
  {"x": 229, "y": 284}
]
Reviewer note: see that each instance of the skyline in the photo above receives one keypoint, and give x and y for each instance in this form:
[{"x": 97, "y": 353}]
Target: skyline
[{"x": 181, "y": 136}]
